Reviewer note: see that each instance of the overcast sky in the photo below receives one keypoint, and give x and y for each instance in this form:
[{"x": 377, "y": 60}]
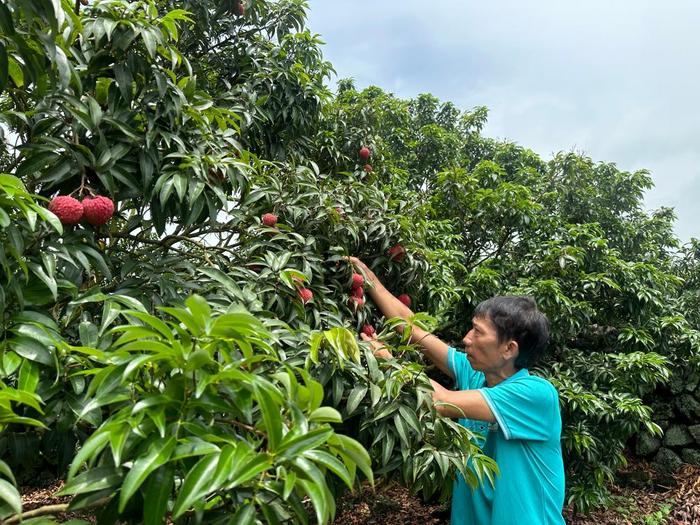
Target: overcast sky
[{"x": 618, "y": 80}]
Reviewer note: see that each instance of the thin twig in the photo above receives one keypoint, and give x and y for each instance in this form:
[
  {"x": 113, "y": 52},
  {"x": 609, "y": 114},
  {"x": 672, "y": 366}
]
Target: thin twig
[{"x": 49, "y": 509}]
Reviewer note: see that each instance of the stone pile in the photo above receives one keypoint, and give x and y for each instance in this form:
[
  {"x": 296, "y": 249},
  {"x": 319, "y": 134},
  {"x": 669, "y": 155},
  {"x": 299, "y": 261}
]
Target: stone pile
[{"x": 676, "y": 409}]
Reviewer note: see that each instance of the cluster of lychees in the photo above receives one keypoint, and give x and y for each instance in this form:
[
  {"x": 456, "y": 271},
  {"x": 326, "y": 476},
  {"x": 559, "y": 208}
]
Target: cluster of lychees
[
  {"x": 357, "y": 300},
  {"x": 364, "y": 155},
  {"x": 305, "y": 294},
  {"x": 357, "y": 292},
  {"x": 69, "y": 210},
  {"x": 396, "y": 253}
]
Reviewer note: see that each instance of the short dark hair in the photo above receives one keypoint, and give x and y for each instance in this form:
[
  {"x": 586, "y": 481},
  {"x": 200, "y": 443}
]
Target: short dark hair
[{"x": 517, "y": 318}]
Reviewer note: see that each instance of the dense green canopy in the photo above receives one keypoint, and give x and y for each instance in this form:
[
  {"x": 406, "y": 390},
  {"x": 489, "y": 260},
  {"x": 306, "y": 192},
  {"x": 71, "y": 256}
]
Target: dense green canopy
[{"x": 168, "y": 356}]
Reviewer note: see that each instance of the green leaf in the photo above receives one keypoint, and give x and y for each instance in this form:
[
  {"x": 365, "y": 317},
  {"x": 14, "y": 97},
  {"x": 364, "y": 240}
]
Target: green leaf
[
  {"x": 49, "y": 281},
  {"x": 90, "y": 449},
  {"x": 319, "y": 499},
  {"x": 245, "y": 515},
  {"x": 192, "y": 446},
  {"x": 92, "y": 480},
  {"x": 312, "y": 439},
  {"x": 357, "y": 394},
  {"x": 4, "y": 67},
  {"x": 271, "y": 416},
  {"x": 157, "y": 494},
  {"x": 6, "y": 25},
  {"x": 7, "y": 472},
  {"x": 50, "y": 218},
  {"x": 246, "y": 471},
  {"x": 10, "y": 495},
  {"x": 331, "y": 463},
  {"x": 5, "y": 220},
  {"x": 16, "y": 73},
  {"x": 152, "y": 321},
  {"x": 31, "y": 349},
  {"x": 326, "y": 415},
  {"x": 158, "y": 453},
  {"x": 353, "y": 451},
  {"x": 196, "y": 484},
  {"x": 28, "y": 376}
]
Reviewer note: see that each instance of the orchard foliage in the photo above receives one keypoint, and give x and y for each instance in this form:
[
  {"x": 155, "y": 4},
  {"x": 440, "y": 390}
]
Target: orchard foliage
[
  {"x": 494, "y": 218},
  {"x": 168, "y": 357}
]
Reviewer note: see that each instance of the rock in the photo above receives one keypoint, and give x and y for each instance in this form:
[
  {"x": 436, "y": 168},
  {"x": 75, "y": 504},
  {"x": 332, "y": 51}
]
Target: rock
[
  {"x": 661, "y": 411},
  {"x": 677, "y": 436},
  {"x": 646, "y": 444},
  {"x": 695, "y": 432},
  {"x": 667, "y": 461},
  {"x": 676, "y": 383},
  {"x": 691, "y": 456},
  {"x": 689, "y": 407},
  {"x": 637, "y": 478}
]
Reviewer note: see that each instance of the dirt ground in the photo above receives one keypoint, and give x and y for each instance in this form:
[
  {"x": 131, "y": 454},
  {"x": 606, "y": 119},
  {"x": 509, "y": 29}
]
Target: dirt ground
[{"x": 643, "y": 497}]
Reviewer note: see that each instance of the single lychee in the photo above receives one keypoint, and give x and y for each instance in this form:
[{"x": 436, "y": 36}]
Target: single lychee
[
  {"x": 240, "y": 9},
  {"x": 396, "y": 253},
  {"x": 364, "y": 152},
  {"x": 405, "y": 299},
  {"x": 67, "y": 209},
  {"x": 98, "y": 210},
  {"x": 358, "y": 292},
  {"x": 368, "y": 168},
  {"x": 305, "y": 295},
  {"x": 368, "y": 330},
  {"x": 269, "y": 219},
  {"x": 357, "y": 280}
]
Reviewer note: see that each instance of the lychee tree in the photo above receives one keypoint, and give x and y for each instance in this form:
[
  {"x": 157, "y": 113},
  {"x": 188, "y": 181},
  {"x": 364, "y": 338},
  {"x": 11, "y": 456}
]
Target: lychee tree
[
  {"x": 495, "y": 218},
  {"x": 147, "y": 391}
]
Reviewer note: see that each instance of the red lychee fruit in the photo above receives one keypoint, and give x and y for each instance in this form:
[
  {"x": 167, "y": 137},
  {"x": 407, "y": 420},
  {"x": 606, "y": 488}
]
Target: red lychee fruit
[
  {"x": 405, "y": 299},
  {"x": 368, "y": 330},
  {"x": 358, "y": 292},
  {"x": 364, "y": 152},
  {"x": 240, "y": 9},
  {"x": 368, "y": 168},
  {"x": 397, "y": 253},
  {"x": 67, "y": 209},
  {"x": 305, "y": 295},
  {"x": 98, "y": 210},
  {"x": 355, "y": 303},
  {"x": 357, "y": 280},
  {"x": 269, "y": 219}
]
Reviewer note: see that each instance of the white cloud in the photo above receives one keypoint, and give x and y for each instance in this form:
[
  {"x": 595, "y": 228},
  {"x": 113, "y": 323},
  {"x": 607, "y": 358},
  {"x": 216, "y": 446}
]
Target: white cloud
[{"x": 618, "y": 80}]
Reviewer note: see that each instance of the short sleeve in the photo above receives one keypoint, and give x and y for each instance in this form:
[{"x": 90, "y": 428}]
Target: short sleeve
[
  {"x": 466, "y": 377},
  {"x": 526, "y": 408}
]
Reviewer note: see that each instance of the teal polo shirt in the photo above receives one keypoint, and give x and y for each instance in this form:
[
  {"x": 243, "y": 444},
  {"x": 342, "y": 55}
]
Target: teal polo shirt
[{"x": 525, "y": 442}]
